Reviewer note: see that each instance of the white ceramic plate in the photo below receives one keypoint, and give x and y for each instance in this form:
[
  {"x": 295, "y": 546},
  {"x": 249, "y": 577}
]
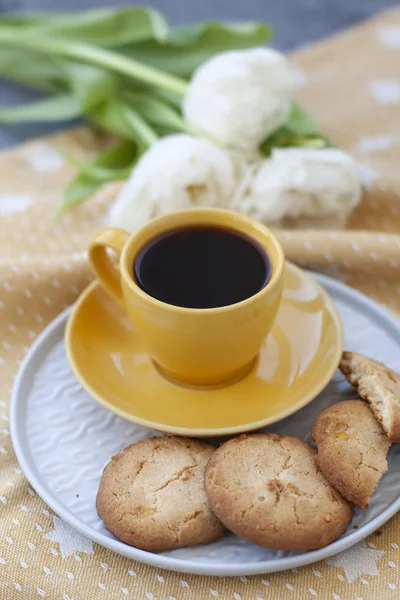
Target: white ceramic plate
[{"x": 63, "y": 439}]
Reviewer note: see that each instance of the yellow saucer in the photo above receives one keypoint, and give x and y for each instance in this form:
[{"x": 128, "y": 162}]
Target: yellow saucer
[{"x": 296, "y": 362}]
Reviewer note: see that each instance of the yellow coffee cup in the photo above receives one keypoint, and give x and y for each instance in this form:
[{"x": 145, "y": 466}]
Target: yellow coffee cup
[{"x": 192, "y": 346}]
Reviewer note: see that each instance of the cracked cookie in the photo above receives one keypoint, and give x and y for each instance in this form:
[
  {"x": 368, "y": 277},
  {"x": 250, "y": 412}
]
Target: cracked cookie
[
  {"x": 352, "y": 449},
  {"x": 152, "y": 496},
  {"x": 269, "y": 490},
  {"x": 378, "y": 385}
]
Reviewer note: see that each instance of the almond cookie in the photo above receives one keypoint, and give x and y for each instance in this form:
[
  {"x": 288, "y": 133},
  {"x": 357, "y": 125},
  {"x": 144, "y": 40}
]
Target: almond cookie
[
  {"x": 378, "y": 385},
  {"x": 352, "y": 449},
  {"x": 269, "y": 490},
  {"x": 152, "y": 496}
]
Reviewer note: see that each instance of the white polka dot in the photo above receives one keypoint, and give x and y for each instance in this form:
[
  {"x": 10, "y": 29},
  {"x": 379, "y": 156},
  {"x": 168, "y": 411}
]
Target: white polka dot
[
  {"x": 394, "y": 545},
  {"x": 20, "y": 311},
  {"x": 55, "y": 283},
  {"x": 47, "y": 570},
  {"x": 14, "y": 203},
  {"x": 43, "y": 158},
  {"x": 70, "y": 575},
  {"x": 16, "y": 522},
  {"x": 28, "y": 293},
  {"x": 67, "y": 267},
  {"x": 289, "y": 586},
  {"x": 39, "y": 318},
  {"x": 392, "y": 586},
  {"x": 41, "y": 592},
  {"x": 23, "y": 564},
  {"x": 386, "y": 91},
  {"x": 53, "y": 551},
  {"x": 376, "y": 143},
  {"x": 1, "y": 304},
  {"x": 265, "y": 582},
  {"x": 367, "y": 174},
  {"x": 374, "y": 256},
  {"x": 47, "y": 300},
  {"x": 31, "y": 546},
  {"x": 7, "y": 286},
  {"x": 364, "y": 581},
  {"x": 237, "y": 596},
  {"x": 149, "y": 595},
  {"x": 328, "y": 256},
  {"x": 74, "y": 289},
  {"x": 336, "y": 597},
  {"x": 183, "y": 583},
  {"x": 104, "y": 566},
  {"x": 160, "y": 578},
  {"x": 32, "y": 334},
  {"x": 132, "y": 572},
  {"x": 308, "y": 245},
  {"x": 125, "y": 591},
  {"x": 389, "y": 37},
  {"x": 77, "y": 557},
  {"x": 392, "y": 564},
  {"x": 18, "y": 587},
  {"x": 243, "y": 578},
  {"x": 299, "y": 77},
  {"x": 39, "y": 527},
  {"x": 24, "y": 508},
  {"x": 35, "y": 275},
  {"x": 18, "y": 471},
  {"x": 213, "y": 592},
  {"x": 102, "y": 586},
  {"x": 340, "y": 577},
  {"x": 312, "y": 591},
  {"x": 45, "y": 512}
]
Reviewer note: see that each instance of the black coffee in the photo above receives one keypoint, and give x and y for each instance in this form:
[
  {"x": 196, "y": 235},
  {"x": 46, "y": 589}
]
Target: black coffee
[{"x": 202, "y": 267}]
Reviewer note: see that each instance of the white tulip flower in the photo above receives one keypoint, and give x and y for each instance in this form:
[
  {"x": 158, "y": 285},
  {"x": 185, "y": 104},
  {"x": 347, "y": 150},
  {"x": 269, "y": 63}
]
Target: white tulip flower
[
  {"x": 303, "y": 187},
  {"x": 178, "y": 171},
  {"x": 239, "y": 98}
]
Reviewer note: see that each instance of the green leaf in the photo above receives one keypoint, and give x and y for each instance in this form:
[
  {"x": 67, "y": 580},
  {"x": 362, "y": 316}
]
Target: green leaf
[
  {"x": 91, "y": 85},
  {"x": 123, "y": 120},
  {"x": 78, "y": 190},
  {"x": 102, "y": 27},
  {"x": 188, "y": 46},
  {"x": 300, "y": 122},
  {"x": 32, "y": 68},
  {"x": 55, "y": 108},
  {"x": 155, "y": 112},
  {"x": 113, "y": 163},
  {"x": 299, "y": 130}
]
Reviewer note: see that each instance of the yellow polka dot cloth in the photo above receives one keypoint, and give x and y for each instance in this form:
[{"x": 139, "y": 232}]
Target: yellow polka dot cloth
[{"x": 351, "y": 84}]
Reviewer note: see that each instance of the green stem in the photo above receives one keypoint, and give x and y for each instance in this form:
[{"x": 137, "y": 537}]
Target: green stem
[
  {"x": 143, "y": 130},
  {"x": 95, "y": 55}
]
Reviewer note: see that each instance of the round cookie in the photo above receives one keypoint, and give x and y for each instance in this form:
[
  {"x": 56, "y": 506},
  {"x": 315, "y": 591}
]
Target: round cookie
[
  {"x": 352, "y": 449},
  {"x": 268, "y": 489},
  {"x": 152, "y": 496}
]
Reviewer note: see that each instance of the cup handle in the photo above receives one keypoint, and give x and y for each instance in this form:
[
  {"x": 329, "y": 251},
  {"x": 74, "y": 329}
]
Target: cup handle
[{"x": 101, "y": 263}]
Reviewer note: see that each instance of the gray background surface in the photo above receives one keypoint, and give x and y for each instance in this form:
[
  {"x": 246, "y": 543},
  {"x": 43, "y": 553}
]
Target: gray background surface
[{"x": 296, "y": 22}]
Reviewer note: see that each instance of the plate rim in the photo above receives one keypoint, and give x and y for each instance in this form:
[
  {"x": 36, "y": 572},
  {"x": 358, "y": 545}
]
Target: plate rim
[
  {"x": 204, "y": 432},
  {"x": 159, "y": 560}
]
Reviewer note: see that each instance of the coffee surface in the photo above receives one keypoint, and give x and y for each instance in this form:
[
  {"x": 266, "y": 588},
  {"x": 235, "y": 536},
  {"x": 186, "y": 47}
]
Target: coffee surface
[{"x": 202, "y": 267}]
